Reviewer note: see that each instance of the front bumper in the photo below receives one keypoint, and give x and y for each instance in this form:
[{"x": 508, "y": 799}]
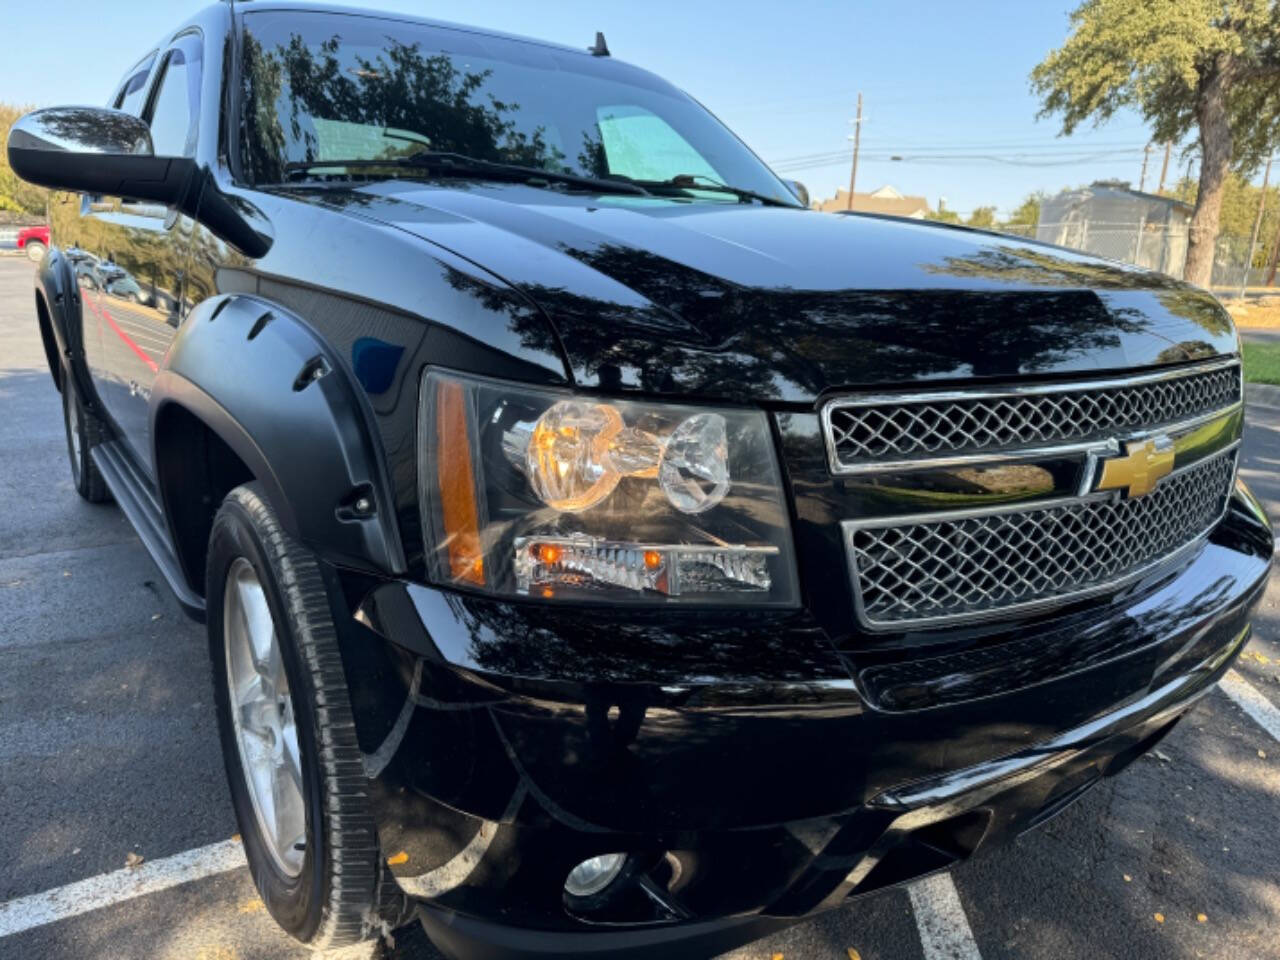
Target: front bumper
[{"x": 755, "y": 773}]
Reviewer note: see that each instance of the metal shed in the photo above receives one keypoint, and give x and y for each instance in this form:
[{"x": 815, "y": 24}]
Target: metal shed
[{"x": 1111, "y": 220}]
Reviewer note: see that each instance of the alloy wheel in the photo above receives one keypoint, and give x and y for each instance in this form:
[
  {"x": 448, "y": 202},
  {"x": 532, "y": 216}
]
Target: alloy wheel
[{"x": 263, "y": 717}]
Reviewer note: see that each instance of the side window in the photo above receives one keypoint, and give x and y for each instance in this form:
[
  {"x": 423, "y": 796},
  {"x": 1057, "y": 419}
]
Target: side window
[
  {"x": 175, "y": 104},
  {"x": 134, "y": 90}
]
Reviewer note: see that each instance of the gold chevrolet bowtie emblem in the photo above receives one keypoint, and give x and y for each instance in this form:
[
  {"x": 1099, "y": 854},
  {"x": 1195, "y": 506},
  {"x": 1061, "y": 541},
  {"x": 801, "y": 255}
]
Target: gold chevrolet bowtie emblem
[{"x": 1143, "y": 466}]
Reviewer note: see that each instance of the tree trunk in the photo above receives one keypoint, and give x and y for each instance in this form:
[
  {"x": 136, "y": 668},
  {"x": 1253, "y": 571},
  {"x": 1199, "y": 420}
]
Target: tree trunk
[{"x": 1215, "y": 161}]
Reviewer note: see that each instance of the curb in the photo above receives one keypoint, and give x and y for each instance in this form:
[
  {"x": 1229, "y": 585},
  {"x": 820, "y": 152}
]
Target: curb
[{"x": 1262, "y": 394}]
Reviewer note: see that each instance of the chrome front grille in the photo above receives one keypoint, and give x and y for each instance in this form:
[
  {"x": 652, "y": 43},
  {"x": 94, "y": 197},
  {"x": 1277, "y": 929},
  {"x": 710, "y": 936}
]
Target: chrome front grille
[
  {"x": 940, "y": 568},
  {"x": 872, "y": 434}
]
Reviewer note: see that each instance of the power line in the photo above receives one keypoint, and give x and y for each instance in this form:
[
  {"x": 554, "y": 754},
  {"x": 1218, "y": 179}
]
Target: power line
[
  {"x": 959, "y": 159},
  {"x": 952, "y": 150}
]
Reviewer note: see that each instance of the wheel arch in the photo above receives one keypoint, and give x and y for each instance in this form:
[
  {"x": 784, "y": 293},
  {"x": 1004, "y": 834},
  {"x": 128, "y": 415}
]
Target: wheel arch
[
  {"x": 55, "y": 294},
  {"x": 195, "y": 470},
  {"x": 249, "y": 391},
  {"x": 51, "y": 353}
]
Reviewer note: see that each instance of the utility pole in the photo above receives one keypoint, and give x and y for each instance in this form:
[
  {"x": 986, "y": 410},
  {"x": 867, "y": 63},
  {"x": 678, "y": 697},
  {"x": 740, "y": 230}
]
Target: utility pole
[
  {"x": 1275, "y": 259},
  {"x": 1146, "y": 155},
  {"x": 1164, "y": 169},
  {"x": 857, "y": 141},
  {"x": 1257, "y": 226}
]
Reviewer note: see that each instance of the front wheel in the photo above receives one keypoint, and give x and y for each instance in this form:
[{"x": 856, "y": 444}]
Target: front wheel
[
  {"x": 288, "y": 739},
  {"x": 35, "y": 251},
  {"x": 84, "y": 431}
]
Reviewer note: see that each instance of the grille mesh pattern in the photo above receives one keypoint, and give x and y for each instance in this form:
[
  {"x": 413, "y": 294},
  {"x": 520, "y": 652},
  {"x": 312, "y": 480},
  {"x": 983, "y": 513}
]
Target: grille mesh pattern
[
  {"x": 937, "y": 569},
  {"x": 888, "y": 432}
]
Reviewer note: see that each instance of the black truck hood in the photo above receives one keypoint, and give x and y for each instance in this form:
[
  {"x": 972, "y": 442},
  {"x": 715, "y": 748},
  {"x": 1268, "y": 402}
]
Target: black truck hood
[{"x": 749, "y": 302}]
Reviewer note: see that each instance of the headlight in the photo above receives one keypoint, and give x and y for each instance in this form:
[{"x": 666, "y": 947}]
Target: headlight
[{"x": 531, "y": 492}]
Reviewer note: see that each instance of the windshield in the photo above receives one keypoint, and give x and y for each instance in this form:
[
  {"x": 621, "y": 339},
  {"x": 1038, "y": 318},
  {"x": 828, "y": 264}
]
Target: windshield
[{"x": 321, "y": 87}]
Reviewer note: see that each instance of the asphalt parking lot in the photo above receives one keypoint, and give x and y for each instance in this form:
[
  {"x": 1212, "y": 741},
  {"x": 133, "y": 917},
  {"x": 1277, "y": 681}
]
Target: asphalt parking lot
[{"x": 108, "y": 747}]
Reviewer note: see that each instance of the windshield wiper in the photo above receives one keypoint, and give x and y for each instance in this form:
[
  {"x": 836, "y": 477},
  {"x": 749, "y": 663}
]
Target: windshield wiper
[
  {"x": 460, "y": 165},
  {"x": 698, "y": 181}
]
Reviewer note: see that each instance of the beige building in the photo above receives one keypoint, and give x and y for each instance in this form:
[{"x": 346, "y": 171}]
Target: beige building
[{"x": 885, "y": 200}]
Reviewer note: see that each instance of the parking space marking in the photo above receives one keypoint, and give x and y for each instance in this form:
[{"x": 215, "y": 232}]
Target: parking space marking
[
  {"x": 109, "y": 889},
  {"x": 940, "y": 917},
  {"x": 1248, "y": 699}
]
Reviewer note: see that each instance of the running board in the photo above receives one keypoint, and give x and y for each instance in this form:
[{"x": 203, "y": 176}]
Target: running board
[{"x": 136, "y": 497}]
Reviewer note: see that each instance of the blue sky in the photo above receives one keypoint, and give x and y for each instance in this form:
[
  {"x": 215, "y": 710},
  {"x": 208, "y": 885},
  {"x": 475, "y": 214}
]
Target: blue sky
[{"x": 945, "y": 83}]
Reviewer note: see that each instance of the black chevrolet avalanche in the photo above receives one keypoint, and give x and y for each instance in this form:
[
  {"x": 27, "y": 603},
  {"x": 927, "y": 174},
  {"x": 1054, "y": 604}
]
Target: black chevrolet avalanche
[{"x": 602, "y": 553}]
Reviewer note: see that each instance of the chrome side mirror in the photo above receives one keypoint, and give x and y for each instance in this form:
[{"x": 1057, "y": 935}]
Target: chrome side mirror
[
  {"x": 82, "y": 130},
  {"x": 97, "y": 151}
]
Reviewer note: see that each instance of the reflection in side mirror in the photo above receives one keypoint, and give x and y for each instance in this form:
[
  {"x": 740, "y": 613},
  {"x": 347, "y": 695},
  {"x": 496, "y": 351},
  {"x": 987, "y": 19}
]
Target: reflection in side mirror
[
  {"x": 82, "y": 130},
  {"x": 799, "y": 189},
  {"x": 97, "y": 151}
]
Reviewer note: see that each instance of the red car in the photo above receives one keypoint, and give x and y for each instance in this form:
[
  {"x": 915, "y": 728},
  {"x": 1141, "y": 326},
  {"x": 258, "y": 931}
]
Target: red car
[{"x": 34, "y": 240}]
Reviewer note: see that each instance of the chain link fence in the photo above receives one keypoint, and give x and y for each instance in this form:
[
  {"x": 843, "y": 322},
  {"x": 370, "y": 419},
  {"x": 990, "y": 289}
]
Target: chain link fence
[
  {"x": 1150, "y": 231},
  {"x": 1232, "y": 268}
]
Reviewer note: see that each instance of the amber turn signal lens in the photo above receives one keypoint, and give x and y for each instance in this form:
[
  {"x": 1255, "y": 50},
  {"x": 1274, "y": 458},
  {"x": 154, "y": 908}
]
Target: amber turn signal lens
[{"x": 457, "y": 485}]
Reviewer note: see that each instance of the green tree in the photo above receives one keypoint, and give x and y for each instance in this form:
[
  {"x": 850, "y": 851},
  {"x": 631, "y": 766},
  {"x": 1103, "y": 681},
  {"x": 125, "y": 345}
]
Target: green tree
[
  {"x": 16, "y": 196},
  {"x": 984, "y": 217},
  {"x": 943, "y": 216},
  {"x": 1027, "y": 213},
  {"x": 1209, "y": 64}
]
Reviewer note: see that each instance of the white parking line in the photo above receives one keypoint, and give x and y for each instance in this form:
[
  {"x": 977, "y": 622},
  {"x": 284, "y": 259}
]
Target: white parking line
[
  {"x": 940, "y": 918},
  {"x": 1253, "y": 703},
  {"x": 112, "y": 888}
]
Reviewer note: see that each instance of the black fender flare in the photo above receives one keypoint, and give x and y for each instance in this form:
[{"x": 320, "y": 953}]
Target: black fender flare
[
  {"x": 262, "y": 380},
  {"x": 56, "y": 288}
]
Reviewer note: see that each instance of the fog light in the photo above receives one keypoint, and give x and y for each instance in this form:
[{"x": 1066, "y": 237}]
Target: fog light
[{"x": 591, "y": 876}]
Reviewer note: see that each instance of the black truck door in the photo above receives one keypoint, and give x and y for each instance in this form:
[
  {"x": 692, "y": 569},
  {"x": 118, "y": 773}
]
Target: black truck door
[
  {"x": 80, "y": 233},
  {"x": 143, "y": 264}
]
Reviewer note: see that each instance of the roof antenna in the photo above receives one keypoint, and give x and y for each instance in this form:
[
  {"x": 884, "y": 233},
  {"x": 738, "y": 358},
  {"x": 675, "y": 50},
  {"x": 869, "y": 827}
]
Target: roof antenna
[{"x": 601, "y": 49}]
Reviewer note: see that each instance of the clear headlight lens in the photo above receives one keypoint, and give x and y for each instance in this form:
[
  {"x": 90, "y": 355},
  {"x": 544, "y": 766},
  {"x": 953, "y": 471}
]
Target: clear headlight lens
[{"x": 537, "y": 493}]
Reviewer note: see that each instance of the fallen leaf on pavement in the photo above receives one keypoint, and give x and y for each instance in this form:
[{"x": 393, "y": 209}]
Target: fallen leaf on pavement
[
  {"x": 777, "y": 956},
  {"x": 1159, "y": 918},
  {"x": 132, "y": 859},
  {"x": 1201, "y": 918},
  {"x": 854, "y": 954},
  {"x": 1128, "y": 879},
  {"x": 1262, "y": 754},
  {"x": 252, "y": 905},
  {"x": 397, "y": 859}
]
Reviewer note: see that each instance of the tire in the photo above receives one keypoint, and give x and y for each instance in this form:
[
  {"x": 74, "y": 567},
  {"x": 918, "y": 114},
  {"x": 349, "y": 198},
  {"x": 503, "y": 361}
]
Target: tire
[
  {"x": 333, "y": 891},
  {"x": 35, "y": 250},
  {"x": 84, "y": 432}
]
